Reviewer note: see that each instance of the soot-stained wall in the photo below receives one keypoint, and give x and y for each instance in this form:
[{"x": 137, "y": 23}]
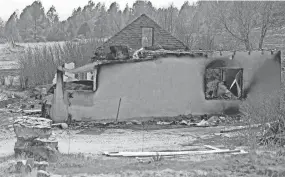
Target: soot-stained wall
[{"x": 170, "y": 87}]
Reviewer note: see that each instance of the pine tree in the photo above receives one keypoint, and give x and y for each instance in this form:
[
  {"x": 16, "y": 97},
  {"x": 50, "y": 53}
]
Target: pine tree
[
  {"x": 52, "y": 16},
  {"x": 11, "y": 30},
  {"x": 33, "y": 22}
]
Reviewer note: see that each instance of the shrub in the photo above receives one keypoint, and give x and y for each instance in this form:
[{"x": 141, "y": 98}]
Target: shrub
[{"x": 264, "y": 110}]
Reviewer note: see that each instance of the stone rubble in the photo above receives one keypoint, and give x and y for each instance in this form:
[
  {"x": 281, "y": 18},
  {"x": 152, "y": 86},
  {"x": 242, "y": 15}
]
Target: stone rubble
[
  {"x": 42, "y": 173},
  {"x": 41, "y": 165},
  {"x": 34, "y": 138},
  {"x": 60, "y": 125},
  {"x": 29, "y": 165},
  {"x": 200, "y": 121}
]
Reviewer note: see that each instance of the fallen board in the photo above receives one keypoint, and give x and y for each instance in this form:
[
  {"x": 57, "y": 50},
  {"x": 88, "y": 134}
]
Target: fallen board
[
  {"x": 148, "y": 154},
  {"x": 212, "y": 147},
  {"x": 34, "y": 111}
]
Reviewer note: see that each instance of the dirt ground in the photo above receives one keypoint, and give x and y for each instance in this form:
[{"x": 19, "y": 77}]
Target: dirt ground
[{"x": 81, "y": 152}]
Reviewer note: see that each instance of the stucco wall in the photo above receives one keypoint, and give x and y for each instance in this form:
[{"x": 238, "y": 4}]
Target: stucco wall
[{"x": 169, "y": 87}]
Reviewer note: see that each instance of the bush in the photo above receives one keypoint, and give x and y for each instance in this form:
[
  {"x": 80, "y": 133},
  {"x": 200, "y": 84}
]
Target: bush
[
  {"x": 38, "y": 64},
  {"x": 263, "y": 110}
]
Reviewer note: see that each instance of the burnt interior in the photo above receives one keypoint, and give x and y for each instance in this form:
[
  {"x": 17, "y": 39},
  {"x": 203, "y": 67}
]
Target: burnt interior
[
  {"x": 223, "y": 83},
  {"x": 81, "y": 85}
]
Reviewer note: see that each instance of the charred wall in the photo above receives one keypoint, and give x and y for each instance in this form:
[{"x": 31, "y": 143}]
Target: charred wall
[{"x": 170, "y": 87}]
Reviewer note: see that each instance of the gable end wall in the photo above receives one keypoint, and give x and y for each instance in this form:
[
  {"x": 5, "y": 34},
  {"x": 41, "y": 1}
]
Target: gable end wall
[{"x": 131, "y": 36}]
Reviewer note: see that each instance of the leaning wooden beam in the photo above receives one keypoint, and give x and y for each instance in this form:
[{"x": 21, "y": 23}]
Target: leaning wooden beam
[
  {"x": 86, "y": 68},
  {"x": 147, "y": 154}
]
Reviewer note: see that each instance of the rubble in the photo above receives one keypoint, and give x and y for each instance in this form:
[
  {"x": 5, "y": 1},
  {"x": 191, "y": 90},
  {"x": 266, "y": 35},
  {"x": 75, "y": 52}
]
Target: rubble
[
  {"x": 181, "y": 120},
  {"x": 24, "y": 166},
  {"x": 60, "y": 125},
  {"x": 34, "y": 138},
  {"x": 28, "y": 165},
  {"x": 42, "y": 173},
  {"x": 32, "y": 112},
  {"x": 41, "y": 165},
  {"x": 214, "y": 120}
]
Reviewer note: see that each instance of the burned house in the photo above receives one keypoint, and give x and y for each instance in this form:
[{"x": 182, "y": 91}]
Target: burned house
[{"x": 163, "y": 82}]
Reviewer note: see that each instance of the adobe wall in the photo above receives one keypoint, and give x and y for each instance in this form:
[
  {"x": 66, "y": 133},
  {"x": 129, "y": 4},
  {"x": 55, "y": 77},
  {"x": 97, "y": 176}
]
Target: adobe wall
[{"x": 169, "y": 87}]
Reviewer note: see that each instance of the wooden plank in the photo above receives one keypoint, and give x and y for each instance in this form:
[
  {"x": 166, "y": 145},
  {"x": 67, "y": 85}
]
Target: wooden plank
[
  {"x": 212, "y": 147},
  {"x": 147, "y": 154},
  {"x": 241, "y": 152},
  {"x": 33, "y": 111}
]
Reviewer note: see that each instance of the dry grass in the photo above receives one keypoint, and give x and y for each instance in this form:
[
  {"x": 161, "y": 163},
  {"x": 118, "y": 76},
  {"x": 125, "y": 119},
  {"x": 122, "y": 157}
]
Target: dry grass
[
  {"x": 38, "y": 64},
  {"x": 262, "y": 111},
  {"x": 253, "y": 164},
  {"x": 7, "y": 167}
]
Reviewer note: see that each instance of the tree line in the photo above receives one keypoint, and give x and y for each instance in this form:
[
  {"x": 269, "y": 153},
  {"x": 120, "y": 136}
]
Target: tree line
[{"x": 205, "y": 24}]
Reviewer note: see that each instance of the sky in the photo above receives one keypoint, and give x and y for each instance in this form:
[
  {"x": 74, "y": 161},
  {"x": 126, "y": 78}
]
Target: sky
[{"x": 65, "y": 7}]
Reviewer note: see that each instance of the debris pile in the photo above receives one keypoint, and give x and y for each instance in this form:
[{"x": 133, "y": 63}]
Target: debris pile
[
  {"x": 34, "y": 138},
  {"x": 25, "y": 104},
  {"x": 178, "y": 121},
  {"x": 146, "y": 53},
  {"x": 121, "y": 52}
]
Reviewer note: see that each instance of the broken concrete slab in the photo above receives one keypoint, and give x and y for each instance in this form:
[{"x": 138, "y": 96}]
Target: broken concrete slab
[
  {"x": 34, "y": 138},
  {"x": 48, "y": 142},
  {"x": 40, "y": 149},
  {"x": 32, "y": 127}
]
